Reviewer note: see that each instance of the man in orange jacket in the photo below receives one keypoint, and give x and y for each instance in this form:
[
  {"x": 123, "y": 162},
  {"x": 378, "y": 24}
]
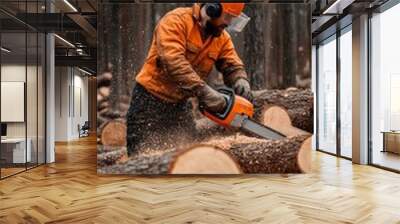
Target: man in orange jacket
[{"x": 187, "y": 43}]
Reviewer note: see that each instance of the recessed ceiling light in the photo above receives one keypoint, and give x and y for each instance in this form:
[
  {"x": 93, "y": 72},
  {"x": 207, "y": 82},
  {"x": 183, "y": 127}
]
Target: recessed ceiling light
[
  {"x": 338, "y": 6},
  {"x": 70, "y": 6},
  {"x": 65, "y": 41},
  {"x": 5, "y": 50},
  {"x": 84, "y": 71}
]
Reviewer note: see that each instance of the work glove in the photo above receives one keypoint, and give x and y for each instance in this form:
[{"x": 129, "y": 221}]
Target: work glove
[
  {"x": 210, "y": 99},
  {"x": 242, "y": 88}
]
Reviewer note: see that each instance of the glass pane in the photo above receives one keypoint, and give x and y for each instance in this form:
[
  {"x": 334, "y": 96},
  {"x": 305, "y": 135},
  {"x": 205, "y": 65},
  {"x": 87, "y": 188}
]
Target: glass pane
[
  {"x": 346, "y": 94},
  {"x": 41, "y": 98},
  {"x": 31, "y": 97},
  {"x": 327, "y": 96},
  {"x": 386, "y": 89},
  {"x": 13, "y": 87},
  {"x": 314, "y": 89},
  {"x": 32, "y": 87}
]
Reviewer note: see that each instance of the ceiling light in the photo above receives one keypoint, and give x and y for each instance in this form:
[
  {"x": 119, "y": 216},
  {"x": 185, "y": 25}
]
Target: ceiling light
[
  {"x": 65, "y": 41},
  {"x": 337, "y": 7},
  {"x": 84, "y": 71},
  {"x": 70, "y": 5},
  {"x": 5, "y": 50}
]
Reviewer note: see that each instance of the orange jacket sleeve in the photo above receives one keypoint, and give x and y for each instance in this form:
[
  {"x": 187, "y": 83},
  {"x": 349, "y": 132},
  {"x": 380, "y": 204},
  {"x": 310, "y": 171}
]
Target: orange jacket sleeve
[
  {"x": 229, "y": 63},
  {"x": 170, "y": 37}
]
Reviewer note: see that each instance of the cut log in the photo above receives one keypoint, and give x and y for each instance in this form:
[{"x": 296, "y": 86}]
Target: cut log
[
  {"x": 229, "y": 155},
  {"x": 297, "y": 102},
  {"x": 104, "y": 91},
  {"x": 291, "y": 155},
  {"x": 104, "y": 79},
  {"x": 205, "y": 129},
  {"x": 142, "y": 164},
  {"x": 204, "y": 159},
  {"x": 278, "y": 118},
  {"x": 113, "y": 133},
  {"x": 201, "y": 159},
  {"x": 110, "y": 113},
  {"x": 103, "y": 104},
  {"x": 110, "y": 155}
]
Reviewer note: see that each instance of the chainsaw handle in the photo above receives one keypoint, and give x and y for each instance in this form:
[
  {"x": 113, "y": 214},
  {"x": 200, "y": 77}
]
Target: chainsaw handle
[{"x": 229, "y": 96}]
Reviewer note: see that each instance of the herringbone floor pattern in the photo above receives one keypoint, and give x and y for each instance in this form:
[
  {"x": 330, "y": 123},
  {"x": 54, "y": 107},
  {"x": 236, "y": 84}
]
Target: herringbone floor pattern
[{"x": 70, "y": 191}]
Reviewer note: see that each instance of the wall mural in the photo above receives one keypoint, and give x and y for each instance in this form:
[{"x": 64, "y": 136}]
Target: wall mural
[{"x": 204, "y": 88}]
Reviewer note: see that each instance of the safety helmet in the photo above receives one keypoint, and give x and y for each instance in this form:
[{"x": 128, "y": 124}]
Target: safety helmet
[
  {"x": 235, "y": 9},
  {"x": 231, "y": 11}
]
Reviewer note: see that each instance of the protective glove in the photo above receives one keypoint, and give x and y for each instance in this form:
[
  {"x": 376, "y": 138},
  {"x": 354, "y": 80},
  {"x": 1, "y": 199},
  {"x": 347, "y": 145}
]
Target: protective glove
[
  {"x": 242, "y": 88},
  {"x": 210, "y": 99}
]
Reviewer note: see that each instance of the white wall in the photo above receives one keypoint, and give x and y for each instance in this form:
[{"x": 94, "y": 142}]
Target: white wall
[
  {"x": 16, "y": 73},
  {"x": 12, "y": 73},
  {"x": 33, "y": 127},
  {"x": 71, "y": 94},
  {"x": 61, "y": 103}
]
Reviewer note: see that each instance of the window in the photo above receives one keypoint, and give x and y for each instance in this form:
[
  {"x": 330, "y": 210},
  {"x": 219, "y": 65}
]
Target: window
[
  {"x": 346, "y": 93},
  {"x": 22, "y": 77},
  {"x": 327, "y": 95},
  {"x": 385, "y": 89}
]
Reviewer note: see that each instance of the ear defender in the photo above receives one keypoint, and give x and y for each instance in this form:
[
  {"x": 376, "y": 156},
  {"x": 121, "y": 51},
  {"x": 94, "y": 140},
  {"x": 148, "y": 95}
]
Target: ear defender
[{"x": 213, "y": 10}]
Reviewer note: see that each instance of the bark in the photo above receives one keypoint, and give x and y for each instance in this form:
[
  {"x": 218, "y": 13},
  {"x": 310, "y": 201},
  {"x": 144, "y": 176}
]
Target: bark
[
  {"x": 285, "y": 156},
  {"x": 226, "y": 155},
  {"x": 200, "y": 159},
  {"x": 104, "y": 80},
  {"x": 254, "y": 45},
  {"x": 156, "y": 163},
  {"x": 110, "y": 155},
  {"x": 298, "y": 103}
]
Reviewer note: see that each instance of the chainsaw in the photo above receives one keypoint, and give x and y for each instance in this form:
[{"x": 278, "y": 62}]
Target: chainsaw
[{"x": 238, "y": 114}]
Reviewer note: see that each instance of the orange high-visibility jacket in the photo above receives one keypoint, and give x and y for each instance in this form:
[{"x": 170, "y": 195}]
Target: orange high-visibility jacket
[{"x": 178, "y": 60}]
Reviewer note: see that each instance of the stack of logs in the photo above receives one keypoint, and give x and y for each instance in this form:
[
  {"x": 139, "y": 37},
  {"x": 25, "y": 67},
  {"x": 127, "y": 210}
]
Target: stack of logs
[
  {"x": 289, "y": 111},
  {"x": 111, "y": 127}
]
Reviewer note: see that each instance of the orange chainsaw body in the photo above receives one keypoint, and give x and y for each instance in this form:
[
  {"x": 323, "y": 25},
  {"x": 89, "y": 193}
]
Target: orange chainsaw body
[{"x": 237, "y": 105}]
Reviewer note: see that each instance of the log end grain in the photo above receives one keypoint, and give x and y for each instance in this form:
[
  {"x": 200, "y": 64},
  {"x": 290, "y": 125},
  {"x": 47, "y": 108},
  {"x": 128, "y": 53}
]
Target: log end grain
[
  {"x": 204, "y": 159},
  {"x": 278, "y": 118},
  {"x": 113, "y": 133},
  {"x": 298, "y": 102},
  {"x": 304, "y": 156}
]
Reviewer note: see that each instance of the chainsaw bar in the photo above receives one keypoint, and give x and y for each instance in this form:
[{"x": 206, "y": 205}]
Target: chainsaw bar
[{"x": 261, "y": 130}]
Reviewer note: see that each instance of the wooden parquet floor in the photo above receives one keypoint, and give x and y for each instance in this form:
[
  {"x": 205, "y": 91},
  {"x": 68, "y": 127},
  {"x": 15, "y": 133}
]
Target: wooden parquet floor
[{"x": 70, "y": 191}]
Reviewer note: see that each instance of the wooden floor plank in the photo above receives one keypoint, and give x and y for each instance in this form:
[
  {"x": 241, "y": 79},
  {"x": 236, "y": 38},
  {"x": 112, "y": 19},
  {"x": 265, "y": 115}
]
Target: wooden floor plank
[{"x": 70, "y": 191}]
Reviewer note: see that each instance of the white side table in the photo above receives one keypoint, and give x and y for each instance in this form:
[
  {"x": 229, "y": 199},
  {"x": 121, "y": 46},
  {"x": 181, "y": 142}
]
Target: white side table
[{"x": 18, "y": 148}]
